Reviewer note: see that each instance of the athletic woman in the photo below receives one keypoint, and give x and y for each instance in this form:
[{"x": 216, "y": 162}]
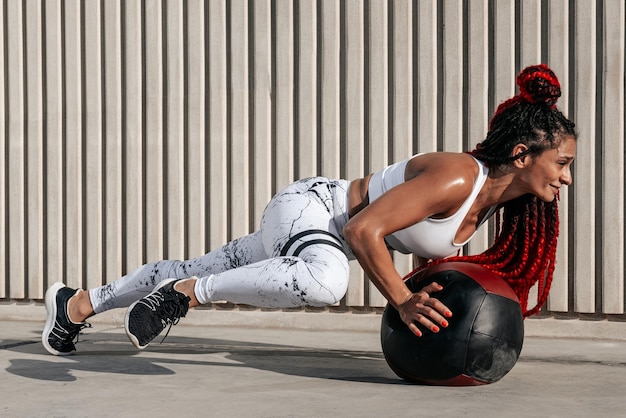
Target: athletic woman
[{"x": 429, "y": 205}]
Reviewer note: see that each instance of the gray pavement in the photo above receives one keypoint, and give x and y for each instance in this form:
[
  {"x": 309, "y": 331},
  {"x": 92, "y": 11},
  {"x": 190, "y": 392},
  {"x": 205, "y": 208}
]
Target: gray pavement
[{"x": 250, "y": 372}]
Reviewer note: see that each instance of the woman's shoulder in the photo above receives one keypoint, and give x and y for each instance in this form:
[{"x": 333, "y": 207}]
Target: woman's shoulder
[
  {"x": 447, "y": 178},
  {"x": 459, "y": 165}
]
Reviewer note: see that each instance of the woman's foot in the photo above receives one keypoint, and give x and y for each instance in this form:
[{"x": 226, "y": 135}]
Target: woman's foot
[
  {"x": 149, "y": 316},
  {"x": 60, "y": 331}
]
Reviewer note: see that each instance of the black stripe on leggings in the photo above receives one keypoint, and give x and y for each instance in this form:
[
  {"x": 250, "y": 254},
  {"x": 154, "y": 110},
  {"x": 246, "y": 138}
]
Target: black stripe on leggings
[
  {"x": 299, "y": 235},
  {"x": 316, "y": 241}
]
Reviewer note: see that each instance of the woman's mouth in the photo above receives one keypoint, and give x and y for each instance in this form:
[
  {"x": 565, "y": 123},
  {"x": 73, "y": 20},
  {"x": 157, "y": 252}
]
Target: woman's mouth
[{"x": 557, "y": 190}]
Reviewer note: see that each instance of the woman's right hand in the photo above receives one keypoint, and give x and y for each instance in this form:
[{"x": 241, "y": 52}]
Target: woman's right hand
[{"x": 424, "y": 309}]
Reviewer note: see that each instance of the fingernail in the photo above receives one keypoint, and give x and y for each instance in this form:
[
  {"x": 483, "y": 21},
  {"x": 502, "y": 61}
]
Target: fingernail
[
  {"x": 435, "y": 328},
  {"x": 444, "y": 324},
  {"x": 448, "y": 314}
]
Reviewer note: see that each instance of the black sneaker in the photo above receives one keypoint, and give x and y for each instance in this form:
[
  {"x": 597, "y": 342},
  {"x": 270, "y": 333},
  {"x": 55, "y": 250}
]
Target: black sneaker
[
  {"x": 60, "y": 332},
  {"x": 146, "y": 318}
]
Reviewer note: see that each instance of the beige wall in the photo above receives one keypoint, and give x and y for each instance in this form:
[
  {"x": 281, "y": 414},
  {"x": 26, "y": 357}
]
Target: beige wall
[{"x": 139, "y": 130}]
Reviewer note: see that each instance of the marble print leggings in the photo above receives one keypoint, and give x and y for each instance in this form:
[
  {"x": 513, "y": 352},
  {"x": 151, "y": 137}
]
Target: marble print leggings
[{"x": 298, "y": 257}]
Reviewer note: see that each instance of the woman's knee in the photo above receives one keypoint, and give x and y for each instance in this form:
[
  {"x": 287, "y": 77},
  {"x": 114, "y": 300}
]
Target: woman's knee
[
  {"x": 321, "y": 285},
  {"x": 326, "y": 295}
]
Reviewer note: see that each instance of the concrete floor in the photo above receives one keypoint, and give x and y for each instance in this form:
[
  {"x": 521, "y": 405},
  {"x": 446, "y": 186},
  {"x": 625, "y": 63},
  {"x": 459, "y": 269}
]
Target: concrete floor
[{"x": 239, "y": 371}]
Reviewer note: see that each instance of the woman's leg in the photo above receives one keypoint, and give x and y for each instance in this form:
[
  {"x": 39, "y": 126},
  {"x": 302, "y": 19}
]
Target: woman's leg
[
  {"x": 68, "y": 308},
  {"x": 139, "y": 283}
]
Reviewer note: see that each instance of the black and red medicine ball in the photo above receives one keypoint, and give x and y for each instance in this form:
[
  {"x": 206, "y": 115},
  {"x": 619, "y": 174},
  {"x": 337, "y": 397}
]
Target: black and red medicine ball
[{"x": 482, "y": 342}]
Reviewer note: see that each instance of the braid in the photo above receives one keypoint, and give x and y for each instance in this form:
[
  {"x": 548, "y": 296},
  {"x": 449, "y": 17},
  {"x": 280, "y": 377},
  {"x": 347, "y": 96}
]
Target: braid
[{"x": 524, "y": 249}]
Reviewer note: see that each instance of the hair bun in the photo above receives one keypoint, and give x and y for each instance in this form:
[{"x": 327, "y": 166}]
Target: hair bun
[{"x": 538, "y": 84}]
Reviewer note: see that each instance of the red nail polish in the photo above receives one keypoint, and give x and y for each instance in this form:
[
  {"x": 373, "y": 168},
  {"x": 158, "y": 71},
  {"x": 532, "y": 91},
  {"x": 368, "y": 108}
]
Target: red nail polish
[
  {"x": 435, "y": 328},
  {"x": 444, "y": 324},
  {"x": 448, "y": 314}
]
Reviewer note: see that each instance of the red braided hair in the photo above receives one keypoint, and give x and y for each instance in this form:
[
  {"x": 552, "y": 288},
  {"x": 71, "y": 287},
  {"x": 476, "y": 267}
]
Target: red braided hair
[{"x": 524, "y": 249}]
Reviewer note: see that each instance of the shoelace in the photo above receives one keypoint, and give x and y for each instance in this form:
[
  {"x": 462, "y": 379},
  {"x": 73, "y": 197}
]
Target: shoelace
[
  {"x": 177, "y": 313},
  {"x": 73, "y": 333},
  {"x": 153, "y": 301}
]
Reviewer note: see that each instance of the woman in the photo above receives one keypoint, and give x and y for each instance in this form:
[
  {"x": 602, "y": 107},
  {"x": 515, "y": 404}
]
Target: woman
[{"x": 429, "y": 205}]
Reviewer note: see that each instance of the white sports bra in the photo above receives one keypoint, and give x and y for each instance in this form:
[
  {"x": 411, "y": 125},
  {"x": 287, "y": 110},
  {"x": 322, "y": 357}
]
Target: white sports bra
[{"x": 430, "y": 237}]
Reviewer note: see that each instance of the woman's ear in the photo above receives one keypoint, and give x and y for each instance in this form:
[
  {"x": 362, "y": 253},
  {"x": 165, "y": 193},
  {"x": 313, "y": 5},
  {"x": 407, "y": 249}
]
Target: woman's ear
[{"x": 520, "y": 156}]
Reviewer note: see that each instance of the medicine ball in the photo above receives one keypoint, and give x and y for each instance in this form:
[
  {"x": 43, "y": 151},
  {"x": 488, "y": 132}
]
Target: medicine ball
[{"x": 482, "y": 341}]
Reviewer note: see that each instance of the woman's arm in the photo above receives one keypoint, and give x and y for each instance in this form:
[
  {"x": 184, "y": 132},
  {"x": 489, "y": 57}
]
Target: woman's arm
[{"x": 434, "y": 190}]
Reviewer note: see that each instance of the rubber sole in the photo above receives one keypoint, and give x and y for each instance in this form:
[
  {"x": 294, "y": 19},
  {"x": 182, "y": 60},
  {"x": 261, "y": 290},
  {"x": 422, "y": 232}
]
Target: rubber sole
[{"x": 51, "y": 308}]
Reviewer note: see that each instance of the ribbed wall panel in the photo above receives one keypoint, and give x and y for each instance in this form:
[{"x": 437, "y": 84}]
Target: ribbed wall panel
[
  {"x": 558, "y": 56},
  {"x": 3, "y": 167},
  {"x": 134, "y": 130}
]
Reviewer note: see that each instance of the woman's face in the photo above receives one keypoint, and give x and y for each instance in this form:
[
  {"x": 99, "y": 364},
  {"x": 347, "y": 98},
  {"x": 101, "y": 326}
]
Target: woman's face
[{"x": 550, "y": 170}]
